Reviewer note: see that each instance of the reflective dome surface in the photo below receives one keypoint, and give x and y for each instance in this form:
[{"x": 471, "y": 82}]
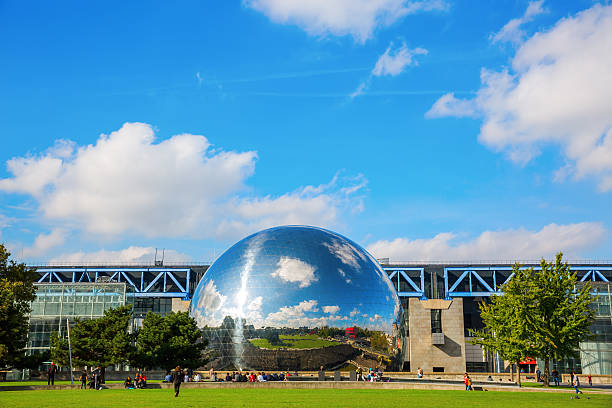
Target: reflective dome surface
[{"x": 295, "y": 278}]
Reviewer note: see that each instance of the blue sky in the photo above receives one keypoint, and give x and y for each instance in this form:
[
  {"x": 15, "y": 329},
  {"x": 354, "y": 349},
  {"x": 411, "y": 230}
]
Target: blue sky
[{"x": 426, "y": 130}]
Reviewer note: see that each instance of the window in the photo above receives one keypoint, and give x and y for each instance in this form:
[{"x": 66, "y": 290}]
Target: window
[
  {"x": 438, "y": 369},
  {"x": 436, "y": 320}
]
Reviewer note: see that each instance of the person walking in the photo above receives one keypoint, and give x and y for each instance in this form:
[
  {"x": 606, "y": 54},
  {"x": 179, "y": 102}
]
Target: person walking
[
  {"x": 51, "y": 374},
  {"x": 538, "y": 374},
  {"x": 590, "y": 377},
  {"x": 555, "y": 375},
  {"x": 177, "y": 379},
  {"x": 576, "y": 384}
]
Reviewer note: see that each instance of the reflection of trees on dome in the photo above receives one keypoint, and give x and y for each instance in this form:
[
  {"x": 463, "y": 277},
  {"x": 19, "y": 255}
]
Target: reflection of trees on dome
[{"x": 293, "y": 291}]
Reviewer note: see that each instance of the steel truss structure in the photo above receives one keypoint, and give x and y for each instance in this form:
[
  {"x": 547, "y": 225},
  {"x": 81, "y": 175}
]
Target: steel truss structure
[
  {"x": 402, "y": 280},
  {"x": 146, "y": 282},
  {"x": 487, "y": 280}
]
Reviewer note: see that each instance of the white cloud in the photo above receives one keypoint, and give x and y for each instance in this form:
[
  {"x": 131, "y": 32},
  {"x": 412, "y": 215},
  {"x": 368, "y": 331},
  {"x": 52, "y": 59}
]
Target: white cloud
[
  {"x": 44, "y": 242},
  {"x": 128, "y": 183},
  {"x": 363, "y": 86},
  {"x": 295, "y": 270},
  {"x": 35, "y": 174},
  {"x": 393, "y": 62},
  {"x": 209, "y": 303},
  {"x": 558, "y": 91},
  {"x": 354, "y": 312},
  {"x": 507, "y": 245},
  {"x": 512, "y": 31},
  {"x": 448, "y": 105},
  {"x": 292, "y": 312},
  {"x": 309, "y": 205},
  {"x": 345, "y": 252},
  {"x": 343, "y": 275},
  {"x": 132, "y": 254},
  {"x": 331, "y": 309},
  {"x": 302, "y": 314},
  {"x": 358, "y": 18}
]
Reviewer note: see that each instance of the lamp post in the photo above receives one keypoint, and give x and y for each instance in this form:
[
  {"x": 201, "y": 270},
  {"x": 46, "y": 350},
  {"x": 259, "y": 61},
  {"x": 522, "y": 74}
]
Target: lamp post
[{"x": 69, "y": 352}]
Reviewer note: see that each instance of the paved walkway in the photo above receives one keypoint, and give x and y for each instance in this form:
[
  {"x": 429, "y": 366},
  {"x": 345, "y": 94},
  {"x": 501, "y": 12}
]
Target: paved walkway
[{"x": 393, "y": 385}]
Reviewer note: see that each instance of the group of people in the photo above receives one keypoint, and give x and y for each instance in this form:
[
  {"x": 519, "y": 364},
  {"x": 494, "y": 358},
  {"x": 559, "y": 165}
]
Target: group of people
[
  {"x": 139, "y": 381},
  {"x": 93, "y": 380},
  {"x": 468, "y": 382},
  {"x": 373, "y": 375},
  {"x": 187, "y": 374}
]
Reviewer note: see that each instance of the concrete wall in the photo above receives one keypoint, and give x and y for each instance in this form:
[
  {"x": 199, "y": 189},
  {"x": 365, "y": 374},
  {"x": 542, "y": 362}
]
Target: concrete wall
[
  {"x": 180, "y": 305},
  {"x": 423, "y": 354}
]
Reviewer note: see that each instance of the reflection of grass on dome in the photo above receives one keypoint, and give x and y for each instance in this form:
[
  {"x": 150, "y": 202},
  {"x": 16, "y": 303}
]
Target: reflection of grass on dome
[{"x": 295, "y": 342}]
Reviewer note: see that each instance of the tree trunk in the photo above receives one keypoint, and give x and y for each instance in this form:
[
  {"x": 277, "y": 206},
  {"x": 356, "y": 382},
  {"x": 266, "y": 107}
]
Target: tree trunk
[
  {"x": 512, "y": 371},
  {"x": 518, "y": 371},
  {"x": 546, "y": 368}
]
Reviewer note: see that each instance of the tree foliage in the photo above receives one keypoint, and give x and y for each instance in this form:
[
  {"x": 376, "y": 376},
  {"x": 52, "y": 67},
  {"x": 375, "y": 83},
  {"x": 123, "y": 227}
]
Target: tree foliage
[
  {"x": 103, "y": 341},
  {"x": 378, "y": 341},
  {"x": 16, "y": 293},
  {"x": 169, "y": 341},
  {"x": 543, "y": 314}
]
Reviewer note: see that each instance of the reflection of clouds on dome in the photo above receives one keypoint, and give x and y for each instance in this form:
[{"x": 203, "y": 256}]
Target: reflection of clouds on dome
[
  {"x": 208, "y": 303},
  {"x": 343, "y": 274},
  {"x": 304, "y": 314},
  {"x": 253, "y": 312},
  {"x": 331, "y": 309},
  {"x": 296, "y": 277},
  {"x": 347, "y": 253},
  {"x": 294, "y": 270}
]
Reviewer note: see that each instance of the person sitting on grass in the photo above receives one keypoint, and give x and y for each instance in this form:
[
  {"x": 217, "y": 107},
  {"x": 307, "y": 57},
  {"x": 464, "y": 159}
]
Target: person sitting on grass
[
  {"x": 197, "y": 377},
  {"x": 128, "y": 383},
  {"x": 168, "y": 377},
  {"x": 260, "y": 377},
  {"x": 228, "y": 377}
]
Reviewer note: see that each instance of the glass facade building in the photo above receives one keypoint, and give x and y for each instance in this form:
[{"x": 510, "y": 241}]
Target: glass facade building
[{"x": 56, "y": 303}]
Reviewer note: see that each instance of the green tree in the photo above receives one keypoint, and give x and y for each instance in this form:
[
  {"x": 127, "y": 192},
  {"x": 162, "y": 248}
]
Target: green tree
[
  {"x": 16, "y": 293},
  {"x": 503, "y": 318},
  {"x": 543, "y": 314},
  {"x": 103, "y": 341},
  {"x": 169, "y": 341},
  {"x": 378, "y": 341}
]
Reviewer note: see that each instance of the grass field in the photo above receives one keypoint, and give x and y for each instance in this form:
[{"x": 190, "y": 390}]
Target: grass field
[
  {"x": 327, "y": 398},
  {"x": 296, "y": 342}
]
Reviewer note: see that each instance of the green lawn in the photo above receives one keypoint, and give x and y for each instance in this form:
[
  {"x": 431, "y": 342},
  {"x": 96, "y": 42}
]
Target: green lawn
[
  {"x": 327, "y": 398},
  {"x": 297, "y": 342}
]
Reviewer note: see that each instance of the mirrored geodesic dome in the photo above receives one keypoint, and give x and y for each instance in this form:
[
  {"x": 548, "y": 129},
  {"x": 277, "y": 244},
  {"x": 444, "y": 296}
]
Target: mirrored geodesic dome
[{"x": 297, "y": 298}]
